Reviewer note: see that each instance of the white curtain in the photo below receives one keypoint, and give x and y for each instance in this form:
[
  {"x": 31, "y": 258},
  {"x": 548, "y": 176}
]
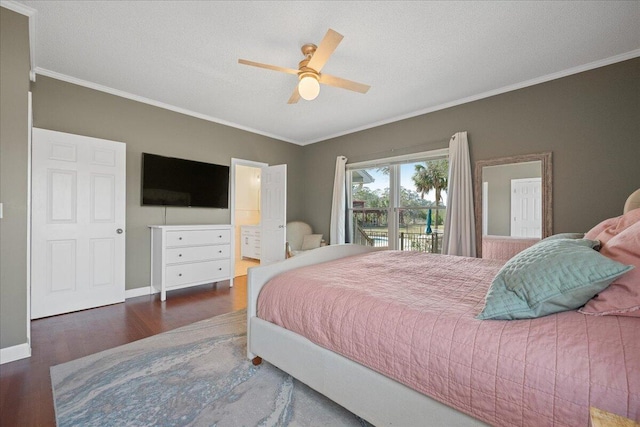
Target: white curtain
[
  {"x": 459, "y": 229},
  {"x": 337, "y": 231}
]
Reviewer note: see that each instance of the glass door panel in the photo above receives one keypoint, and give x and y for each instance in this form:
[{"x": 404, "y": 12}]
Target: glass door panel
[
  {"x": 420, "y": 216},
  {"x": 369, "y": 213}
]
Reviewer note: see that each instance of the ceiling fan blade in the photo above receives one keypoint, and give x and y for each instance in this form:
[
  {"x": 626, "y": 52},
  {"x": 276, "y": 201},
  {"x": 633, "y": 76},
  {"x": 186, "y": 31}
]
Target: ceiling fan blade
[
  {"x": 328, "y": 44},
  {"x": 343, "y": 83},
  {"x": 295, "y": 96},
  {"x": 267, "y": 66}
]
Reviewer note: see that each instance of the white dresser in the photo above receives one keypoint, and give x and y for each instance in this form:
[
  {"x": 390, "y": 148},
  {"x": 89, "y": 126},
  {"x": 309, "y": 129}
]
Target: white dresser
[
  {"x": 250, "y": 245},
  {"x": 190, "y": 255}
]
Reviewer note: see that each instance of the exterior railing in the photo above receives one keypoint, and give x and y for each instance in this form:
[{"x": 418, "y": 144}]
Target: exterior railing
[
  {"x": 369, "y": 228},
  {"x": 431, "y": 243}
]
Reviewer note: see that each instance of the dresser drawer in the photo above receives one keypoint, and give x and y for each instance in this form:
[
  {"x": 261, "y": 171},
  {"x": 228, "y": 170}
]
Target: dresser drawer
[
  {"x": 181, "y": 274},
  {"x": 197, "y": 253},
  {"x": 198, "y": 237}
]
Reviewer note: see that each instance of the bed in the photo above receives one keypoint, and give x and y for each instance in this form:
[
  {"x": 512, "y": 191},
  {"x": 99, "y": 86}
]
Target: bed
[{"x": 545, "y": 371}]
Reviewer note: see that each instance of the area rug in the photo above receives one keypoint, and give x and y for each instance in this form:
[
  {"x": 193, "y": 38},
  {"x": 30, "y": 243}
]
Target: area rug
[{"x": 197, "y": 375}]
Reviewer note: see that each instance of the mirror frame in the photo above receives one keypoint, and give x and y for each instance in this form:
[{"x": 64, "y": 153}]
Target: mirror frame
[{"x": 547, "y": 190}]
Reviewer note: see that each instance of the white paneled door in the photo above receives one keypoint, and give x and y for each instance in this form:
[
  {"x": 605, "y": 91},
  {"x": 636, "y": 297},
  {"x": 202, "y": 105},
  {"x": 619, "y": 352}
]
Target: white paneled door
[
  {"x": 526, "y": 207},
  {"x": 78, "y": 223},
  {"x": 273, "y": 213}
]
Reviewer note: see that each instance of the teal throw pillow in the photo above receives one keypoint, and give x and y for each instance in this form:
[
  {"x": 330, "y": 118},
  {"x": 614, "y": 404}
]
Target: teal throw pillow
[
  {"x": 563, "y": 236},
  {"x": 549, "y": 277}
]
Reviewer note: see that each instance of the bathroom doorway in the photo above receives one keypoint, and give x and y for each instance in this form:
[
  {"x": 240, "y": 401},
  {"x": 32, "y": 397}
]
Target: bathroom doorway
[{"x": 245, "y": 213}]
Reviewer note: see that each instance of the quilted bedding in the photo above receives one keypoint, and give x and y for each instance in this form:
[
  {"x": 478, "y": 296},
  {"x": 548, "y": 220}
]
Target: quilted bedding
[{"x": 411, "y": 317}]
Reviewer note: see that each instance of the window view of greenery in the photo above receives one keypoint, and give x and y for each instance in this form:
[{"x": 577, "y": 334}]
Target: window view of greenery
[{"x": 419, "y": 223}]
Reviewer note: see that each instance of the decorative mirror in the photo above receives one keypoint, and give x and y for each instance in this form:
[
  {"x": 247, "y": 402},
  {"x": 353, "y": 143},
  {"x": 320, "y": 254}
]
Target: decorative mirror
[{"x": 513, "y": 197}]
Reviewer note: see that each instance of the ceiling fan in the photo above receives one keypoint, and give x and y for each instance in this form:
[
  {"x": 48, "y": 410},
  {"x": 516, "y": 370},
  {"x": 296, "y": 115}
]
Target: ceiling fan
[{"x": 309, "y": 68}]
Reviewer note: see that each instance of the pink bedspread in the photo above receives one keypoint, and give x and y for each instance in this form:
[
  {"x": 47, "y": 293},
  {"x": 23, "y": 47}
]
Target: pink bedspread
[{"x": 410, "y": 316}]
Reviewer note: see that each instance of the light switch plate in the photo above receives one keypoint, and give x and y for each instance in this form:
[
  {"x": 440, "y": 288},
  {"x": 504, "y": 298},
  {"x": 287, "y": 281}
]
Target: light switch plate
[{"x": 0, "y": 210}]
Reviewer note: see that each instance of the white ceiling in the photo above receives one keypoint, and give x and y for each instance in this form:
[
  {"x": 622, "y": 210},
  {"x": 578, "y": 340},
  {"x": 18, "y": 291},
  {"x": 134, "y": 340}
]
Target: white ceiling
[{"x": 417, "y": 56}]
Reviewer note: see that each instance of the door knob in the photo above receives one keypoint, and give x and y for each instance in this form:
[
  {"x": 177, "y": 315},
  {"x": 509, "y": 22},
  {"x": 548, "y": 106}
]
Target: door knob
[{"x": 119, "y": 231}]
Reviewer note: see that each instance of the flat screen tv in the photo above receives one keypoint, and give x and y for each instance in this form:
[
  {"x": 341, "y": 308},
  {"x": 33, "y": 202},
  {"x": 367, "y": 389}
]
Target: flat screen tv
[{"x": 167, "y": 181}]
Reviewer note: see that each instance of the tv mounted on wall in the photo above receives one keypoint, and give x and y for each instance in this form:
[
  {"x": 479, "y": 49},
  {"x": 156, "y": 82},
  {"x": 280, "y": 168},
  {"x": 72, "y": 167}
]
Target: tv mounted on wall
[{"x": 167, "y": 181}]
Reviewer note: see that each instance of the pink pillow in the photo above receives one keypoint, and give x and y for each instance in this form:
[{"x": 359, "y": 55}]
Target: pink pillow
[
  {"x": 611, "y": 227},
  {"x": 604, "y": 225},
  {"x": 620, "y": 242}
]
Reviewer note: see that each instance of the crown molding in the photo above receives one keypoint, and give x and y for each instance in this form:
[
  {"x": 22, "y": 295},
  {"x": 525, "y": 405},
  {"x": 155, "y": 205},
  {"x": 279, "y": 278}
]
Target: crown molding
[
  {"x": 553, "y": 76},
  {"x": 133, "y": 97},
  {"x": 31, "y": 14},
  {"x": 18, "y": 7}
]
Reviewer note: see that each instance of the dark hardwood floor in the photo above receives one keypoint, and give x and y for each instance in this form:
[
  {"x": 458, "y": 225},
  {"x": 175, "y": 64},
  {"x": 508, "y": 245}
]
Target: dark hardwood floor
[{"x": 25, "y": 385}]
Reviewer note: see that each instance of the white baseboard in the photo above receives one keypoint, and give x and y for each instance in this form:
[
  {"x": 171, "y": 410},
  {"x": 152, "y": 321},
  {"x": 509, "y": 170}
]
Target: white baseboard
[
  {"x": 22, "y": 351},
  {"x": 139, "y": 292},
  {"x": 17, "y": 352}
]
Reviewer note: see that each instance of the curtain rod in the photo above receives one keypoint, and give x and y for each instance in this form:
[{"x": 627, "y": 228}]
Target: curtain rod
[{"x": 389, "y": 153}]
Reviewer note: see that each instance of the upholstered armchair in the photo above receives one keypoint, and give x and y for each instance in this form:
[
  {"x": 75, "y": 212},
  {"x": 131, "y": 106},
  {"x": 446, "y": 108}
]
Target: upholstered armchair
[{"x": 300, "y": 238}]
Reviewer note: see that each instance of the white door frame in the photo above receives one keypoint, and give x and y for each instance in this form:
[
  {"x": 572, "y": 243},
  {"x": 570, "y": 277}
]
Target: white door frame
[{"x": 30, "y": 126}]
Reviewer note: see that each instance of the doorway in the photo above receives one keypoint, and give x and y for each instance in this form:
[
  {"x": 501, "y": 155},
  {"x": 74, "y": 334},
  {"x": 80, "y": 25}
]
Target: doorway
[{"x": 245, "y": 213}]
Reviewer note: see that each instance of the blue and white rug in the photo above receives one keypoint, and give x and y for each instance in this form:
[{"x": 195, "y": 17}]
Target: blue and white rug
[{"x": 197, "y": 375}]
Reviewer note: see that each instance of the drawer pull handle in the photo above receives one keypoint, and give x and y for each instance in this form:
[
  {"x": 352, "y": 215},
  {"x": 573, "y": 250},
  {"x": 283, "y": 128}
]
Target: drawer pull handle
[
  {"x": 219, "y": 268},
  {"x": 179, "y": 254},
  {"x": 219, "y": 252},
  {"x": 179, "y": 238},
  {"x": 220, "y": 237},
  {"x": 179, "y": 274}
]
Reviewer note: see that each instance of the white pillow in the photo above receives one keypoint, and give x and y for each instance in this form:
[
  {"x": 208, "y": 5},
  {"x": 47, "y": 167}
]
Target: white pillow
[{"x": 311, "y": 241}]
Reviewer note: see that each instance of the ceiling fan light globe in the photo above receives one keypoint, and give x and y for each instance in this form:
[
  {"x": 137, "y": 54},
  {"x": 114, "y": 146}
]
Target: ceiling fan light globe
[{"x": 308, "y": 88}]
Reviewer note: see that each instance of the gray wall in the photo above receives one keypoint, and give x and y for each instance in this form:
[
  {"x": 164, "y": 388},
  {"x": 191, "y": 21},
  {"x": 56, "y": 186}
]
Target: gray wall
[
  {"x": 499, "y": 179},
  {"x": 66, "y": 107},
  {"x": 14, "y": 89},
  {"x": 590, "y": 121}
]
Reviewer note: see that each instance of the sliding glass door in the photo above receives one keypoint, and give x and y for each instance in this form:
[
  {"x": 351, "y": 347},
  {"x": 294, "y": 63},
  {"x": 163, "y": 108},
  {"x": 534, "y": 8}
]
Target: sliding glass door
[
  {"x": 399, "y": 203},
  {"x": 369, "y": 219},
  {"x": 421, "y": 211}
]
